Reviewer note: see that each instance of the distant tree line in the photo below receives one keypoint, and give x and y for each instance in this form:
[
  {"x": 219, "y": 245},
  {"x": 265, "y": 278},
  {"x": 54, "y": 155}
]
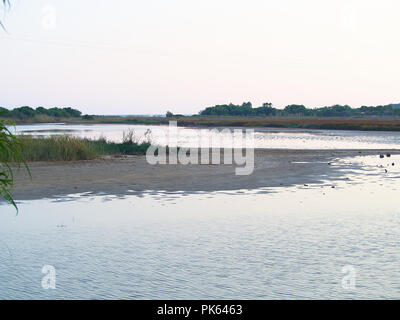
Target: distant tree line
[
  {"x": 267, "y": 109},
  {"x": 28, "y": 112}
]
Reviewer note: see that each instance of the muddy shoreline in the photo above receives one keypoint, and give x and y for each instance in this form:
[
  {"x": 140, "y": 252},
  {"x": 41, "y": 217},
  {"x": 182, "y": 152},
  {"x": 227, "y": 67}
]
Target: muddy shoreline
[{"x": 124, "y": 175}]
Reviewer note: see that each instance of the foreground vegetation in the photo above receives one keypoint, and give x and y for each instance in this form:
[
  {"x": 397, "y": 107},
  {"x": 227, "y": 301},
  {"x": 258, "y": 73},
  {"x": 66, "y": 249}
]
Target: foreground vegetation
[
  {"x": 10, "y": 158},
  {"x": 18, "y": 150},
  {"x": 67, "y": 148}
]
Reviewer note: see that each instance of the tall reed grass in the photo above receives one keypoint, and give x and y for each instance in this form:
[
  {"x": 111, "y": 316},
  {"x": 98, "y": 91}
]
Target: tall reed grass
[
  {"x": 10, "y": 158},
  {"x": 68, "y": 148}
]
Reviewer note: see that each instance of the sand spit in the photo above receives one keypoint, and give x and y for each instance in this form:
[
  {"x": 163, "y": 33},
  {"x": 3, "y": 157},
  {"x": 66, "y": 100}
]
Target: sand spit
[{"x": 122, "y": 175}]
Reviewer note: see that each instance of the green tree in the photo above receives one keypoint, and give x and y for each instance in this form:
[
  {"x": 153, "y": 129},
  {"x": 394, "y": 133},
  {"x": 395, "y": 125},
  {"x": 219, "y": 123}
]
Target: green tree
[
  {"x": 72, "y": 112},
  {"x": 247, "y": 105},
  {"x": 41, "y": 110},
  {"x": 295, "y": 109},
  {"x": 4, "y": 111},
  {"x": 23, "y": 112},
  {"x": 337, "y": 111}
]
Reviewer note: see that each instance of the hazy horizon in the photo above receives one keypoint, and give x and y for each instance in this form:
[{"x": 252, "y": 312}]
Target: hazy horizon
[{"x": 129, "y": 57}]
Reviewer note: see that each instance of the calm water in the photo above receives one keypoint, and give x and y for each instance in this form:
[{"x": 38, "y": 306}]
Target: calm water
[
  {"x": 264, "y": 138},
  {"x": 252, "y": 244}
]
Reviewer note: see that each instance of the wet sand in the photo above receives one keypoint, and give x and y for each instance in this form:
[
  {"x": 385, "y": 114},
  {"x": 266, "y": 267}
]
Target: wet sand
[{"x": 124, "y": 175}]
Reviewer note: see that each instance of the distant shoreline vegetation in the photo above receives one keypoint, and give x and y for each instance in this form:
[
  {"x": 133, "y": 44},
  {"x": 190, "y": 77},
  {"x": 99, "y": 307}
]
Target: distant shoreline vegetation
[
  {"x": 40, "y": 113},
  {"x": 268, "y": 110},
  {"x": 244, "y": 110},
  {"x": 380, "y": 118}
]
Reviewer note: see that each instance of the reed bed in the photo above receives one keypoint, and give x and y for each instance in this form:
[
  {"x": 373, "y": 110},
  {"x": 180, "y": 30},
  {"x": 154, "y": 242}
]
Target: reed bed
[{"x": 68, "y": 148}]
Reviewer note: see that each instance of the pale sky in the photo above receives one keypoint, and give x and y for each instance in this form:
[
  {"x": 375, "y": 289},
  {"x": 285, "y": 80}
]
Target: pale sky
[{"x": 147, "y": 57}]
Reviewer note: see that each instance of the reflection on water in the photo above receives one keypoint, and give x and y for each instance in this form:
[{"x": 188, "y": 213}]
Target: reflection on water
[
  {"x": 264, "y": 138},
  {"x": 249, "y": 244}
]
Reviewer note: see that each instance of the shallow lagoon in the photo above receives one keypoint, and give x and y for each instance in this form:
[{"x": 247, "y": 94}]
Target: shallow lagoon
[
  {"x": 264, "y": 138},
  {"x": 250, "y": 244}
]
